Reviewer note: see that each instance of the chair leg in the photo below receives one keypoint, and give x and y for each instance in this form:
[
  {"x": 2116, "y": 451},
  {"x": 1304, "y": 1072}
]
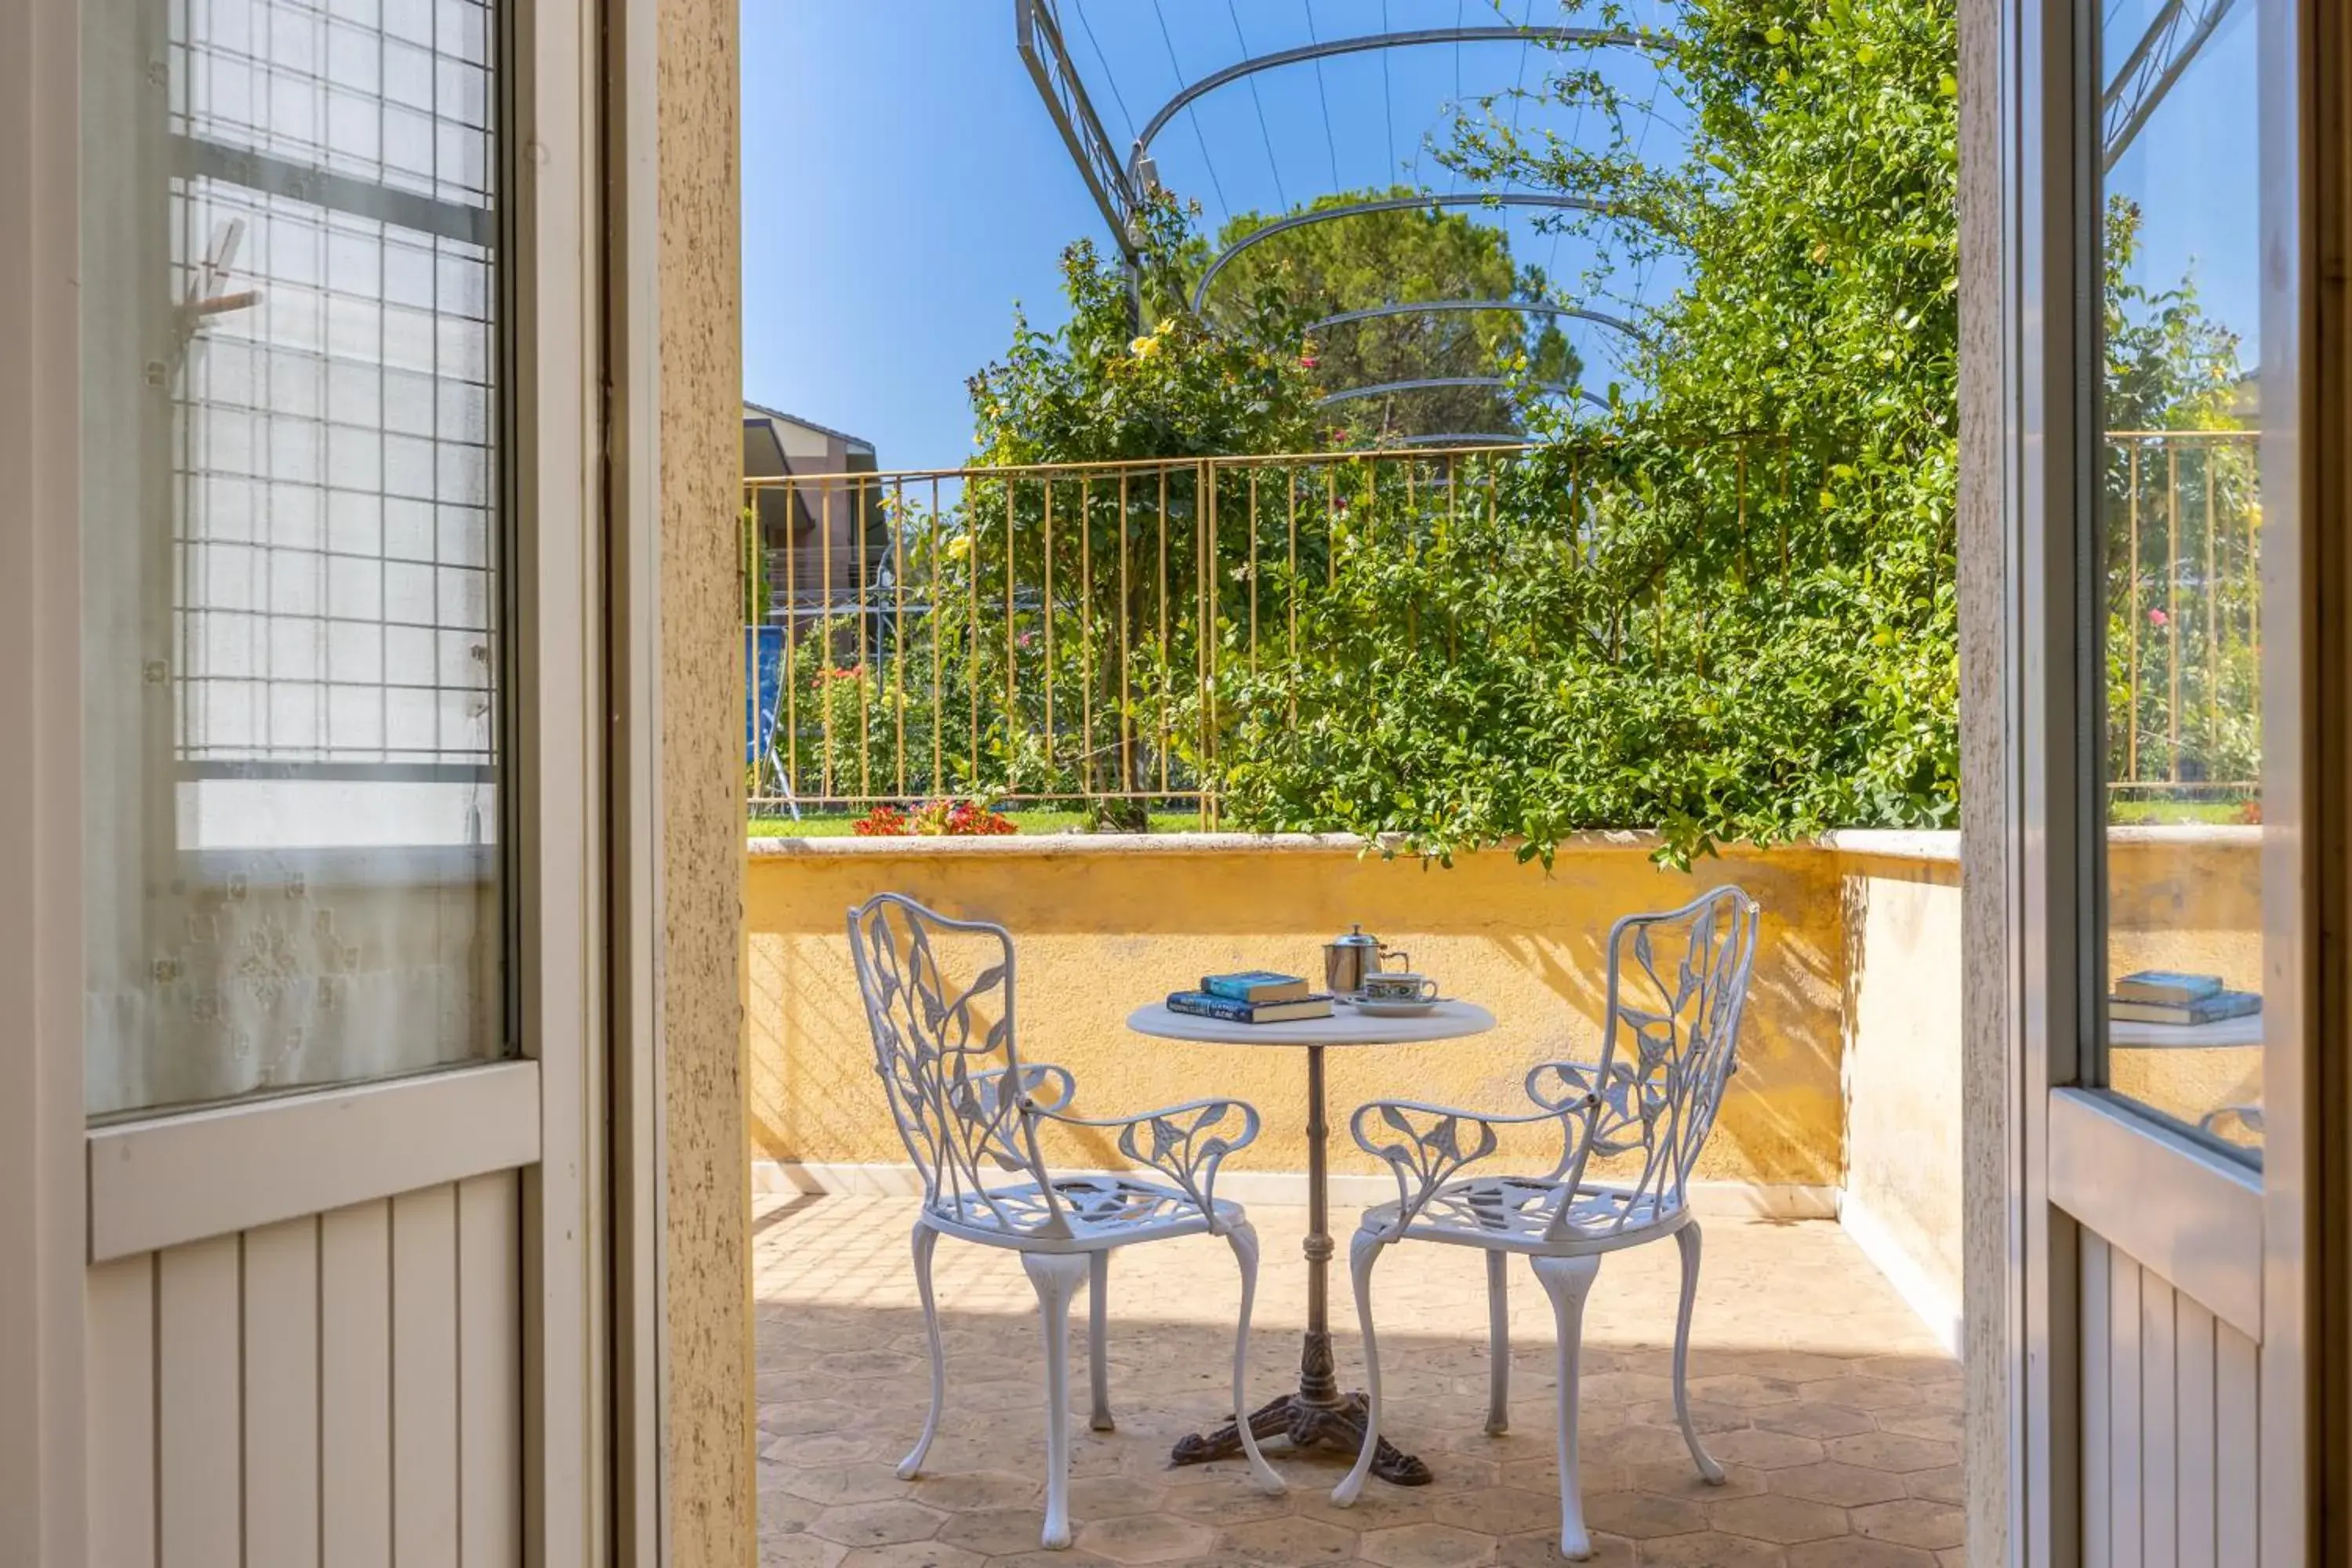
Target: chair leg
[
  {"x": 1566, "y": 1280},
  {"x": 1056, "y": 1277},
  {"x": 1498, "y": 1343},
  {"x": 927, "y": 1241},
  {"x": 1244, "y": 1240},
  {"x": 1099, "y": 1336},
  {"x": 1687, "y": 1241},
  {"x": 1361, "y": 1255}
]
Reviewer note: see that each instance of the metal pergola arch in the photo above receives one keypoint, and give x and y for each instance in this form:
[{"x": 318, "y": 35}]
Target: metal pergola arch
[
  {"x": 1470, "y": 438},
  {"x": 1328, "y": 49},
  {"x": 1426, "y": 382},
  {"x": 1426, "y": 307},
  {"x": 1119, "y": 187}
]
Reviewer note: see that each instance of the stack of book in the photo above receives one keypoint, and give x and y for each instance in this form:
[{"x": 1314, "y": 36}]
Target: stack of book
[
  {"x": 2165, "y": 996},
  {"x": 1254, "y": 996}
]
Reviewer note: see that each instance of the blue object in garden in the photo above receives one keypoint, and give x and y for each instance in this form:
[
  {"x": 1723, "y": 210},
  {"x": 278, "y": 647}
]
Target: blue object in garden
[{"x": 763, "y": 690}]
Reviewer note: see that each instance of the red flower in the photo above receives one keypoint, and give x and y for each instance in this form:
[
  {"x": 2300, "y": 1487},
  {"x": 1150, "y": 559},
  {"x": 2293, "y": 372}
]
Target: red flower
[
  {"x": 882, "y": 822},
  {"x": 2158, "y": 618}
]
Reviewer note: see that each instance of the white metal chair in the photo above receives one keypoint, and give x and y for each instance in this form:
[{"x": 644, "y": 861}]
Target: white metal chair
[
  {"x": 968, "y": 1108},
  {"x": 1668, "y": 1047}
]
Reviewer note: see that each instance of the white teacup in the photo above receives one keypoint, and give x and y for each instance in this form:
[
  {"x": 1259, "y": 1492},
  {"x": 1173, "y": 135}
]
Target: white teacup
[{"x": 1396, "y": 985}]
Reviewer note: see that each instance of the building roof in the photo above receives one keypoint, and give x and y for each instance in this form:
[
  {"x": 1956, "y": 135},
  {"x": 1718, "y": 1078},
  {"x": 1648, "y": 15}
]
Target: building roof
[{"x": 761, "y": 410}]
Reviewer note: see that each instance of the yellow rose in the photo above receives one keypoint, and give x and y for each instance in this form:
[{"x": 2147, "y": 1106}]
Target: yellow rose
[
  {"x": 1141, "y": 348},
  {"x": 960, "y": 546}
]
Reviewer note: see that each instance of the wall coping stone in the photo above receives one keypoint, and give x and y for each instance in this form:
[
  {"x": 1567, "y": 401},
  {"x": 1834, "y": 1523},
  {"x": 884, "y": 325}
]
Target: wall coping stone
[
  {"x": 1052, "y": 844},
  {"x": 1868, "y": 841},
  {"x": 1939, "y": 847},
  {"x": 1942, "y": 845}
]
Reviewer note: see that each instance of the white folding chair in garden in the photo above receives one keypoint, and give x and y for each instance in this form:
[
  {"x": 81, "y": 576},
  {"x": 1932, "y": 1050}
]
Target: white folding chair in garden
[
  {"x": 969, "y": 1110},
  {"x": 1677, "y": 982}
]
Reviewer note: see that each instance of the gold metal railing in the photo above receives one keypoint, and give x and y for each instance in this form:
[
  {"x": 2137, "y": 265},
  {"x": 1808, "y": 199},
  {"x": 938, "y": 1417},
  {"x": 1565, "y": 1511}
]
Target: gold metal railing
[
  {"x": 1073, "y": 634},
  {"x": 2183, "y": 531},
  {"x": 1064, "y": 633}
]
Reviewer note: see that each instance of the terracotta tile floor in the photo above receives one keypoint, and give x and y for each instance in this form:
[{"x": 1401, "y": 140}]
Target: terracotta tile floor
[{"x": 1834, "y": 1413}]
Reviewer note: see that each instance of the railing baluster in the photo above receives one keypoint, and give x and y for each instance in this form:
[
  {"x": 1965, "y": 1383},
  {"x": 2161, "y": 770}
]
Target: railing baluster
[
  {"x": 898, "y": 624},
  {"x": 1048, "y": 639},
  {"x": 1012, "y": 673},
  {"x": 1252, "y": 571},
  {"x": 1161, "y": 702},
  {"x": 791, "y": 639},
  {"x": 1204, "y": 479},
  {"x": 1086, "y": 637},
  {"x": 971, "y": 674},
  {"x": 1330, "y": 524},
  {"x": 938, "y": 652},
  {"x": 865, "y": 684},
  {"x": 2212, "y": 627},
  {"x": 1126, "y": 691},
  {"x": 1290, "y": 595}
]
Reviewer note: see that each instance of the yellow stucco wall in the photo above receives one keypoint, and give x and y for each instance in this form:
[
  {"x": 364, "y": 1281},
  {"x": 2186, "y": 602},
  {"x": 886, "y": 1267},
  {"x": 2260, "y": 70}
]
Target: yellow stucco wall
[
  {"x": 2188, "y": 900},
  {"x": 709, "y": 1422},
  {"x": 1104, "y": 926},
  {"x": 1903, "y": 1059}
]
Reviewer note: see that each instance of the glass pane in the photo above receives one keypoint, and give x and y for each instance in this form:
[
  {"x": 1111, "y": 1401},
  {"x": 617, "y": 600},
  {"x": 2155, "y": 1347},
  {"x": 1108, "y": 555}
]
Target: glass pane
[
  {"x": 2181, "y": 543},
  {"x": 292, "y": 544}
]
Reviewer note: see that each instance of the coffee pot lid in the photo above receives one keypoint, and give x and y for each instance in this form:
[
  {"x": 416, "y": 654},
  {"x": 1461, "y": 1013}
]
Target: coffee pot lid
[{"x": 1356, "y": 938}]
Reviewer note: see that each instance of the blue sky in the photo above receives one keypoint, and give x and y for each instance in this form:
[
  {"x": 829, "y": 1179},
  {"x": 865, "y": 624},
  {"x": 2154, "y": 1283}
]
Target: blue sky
[
  {"x": 903, "y": 185},
  {"x": 2194, "y": 171}
]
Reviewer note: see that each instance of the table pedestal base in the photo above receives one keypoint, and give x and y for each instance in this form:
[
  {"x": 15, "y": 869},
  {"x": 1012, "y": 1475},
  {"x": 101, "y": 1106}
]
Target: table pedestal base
[{"x": 1338, "y": 1425}]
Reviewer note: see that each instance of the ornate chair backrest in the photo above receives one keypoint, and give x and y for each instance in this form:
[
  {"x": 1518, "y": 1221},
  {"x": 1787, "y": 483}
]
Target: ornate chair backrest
[
  {"x": 953, "y": 1077},
  {"x": 1677, "y": 984}
]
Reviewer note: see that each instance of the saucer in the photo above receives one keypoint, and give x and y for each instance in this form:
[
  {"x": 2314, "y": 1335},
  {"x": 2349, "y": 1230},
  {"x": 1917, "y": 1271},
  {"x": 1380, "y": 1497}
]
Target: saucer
[{"x": 1391, "y": 1007}]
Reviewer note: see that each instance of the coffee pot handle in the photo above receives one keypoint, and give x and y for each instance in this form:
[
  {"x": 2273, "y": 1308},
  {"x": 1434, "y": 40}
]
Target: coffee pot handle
[{"x": 1404, "y": 960}]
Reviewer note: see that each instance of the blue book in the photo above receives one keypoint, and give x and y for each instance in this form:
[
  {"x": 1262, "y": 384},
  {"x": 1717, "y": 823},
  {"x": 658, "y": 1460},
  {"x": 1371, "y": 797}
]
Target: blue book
[
  {"x": 1255, "y": 985},
  {"x": 2204, "y": 1010},
  {"x": 1203, "y": 1004},
  {"x": 2167, "y": 987}
]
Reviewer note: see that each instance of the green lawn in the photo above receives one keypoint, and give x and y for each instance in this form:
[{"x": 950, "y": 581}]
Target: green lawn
[
  {"x": 837, "y": 825},
  {"x": 2167, "y": 813}
]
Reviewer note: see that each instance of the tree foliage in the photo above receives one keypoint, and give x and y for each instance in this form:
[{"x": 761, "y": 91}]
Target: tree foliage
[
  {"x": 1277, "y": 288},
  {"x": 1096, "y": 389},
  {"x": 1800, "y": 389},
  {"x": 1726, "y": 610}
]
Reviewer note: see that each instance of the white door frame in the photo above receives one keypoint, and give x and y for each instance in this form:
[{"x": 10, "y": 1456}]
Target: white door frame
[
  {"x": 41, "y": 1157},
  {"x": 2236, "y": 1241},
  {"x": 591, "y": 1337}
]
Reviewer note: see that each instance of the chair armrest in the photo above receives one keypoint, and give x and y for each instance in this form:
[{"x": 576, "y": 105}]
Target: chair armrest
[
  {"x": 1427, "y": 1149},
  {"x": 1187, "y": 1143},
  {"x": 1608, "y": 1102},
  {"x": 1003, "y": 1103},
  {"x": 1044, "y": 1087}
]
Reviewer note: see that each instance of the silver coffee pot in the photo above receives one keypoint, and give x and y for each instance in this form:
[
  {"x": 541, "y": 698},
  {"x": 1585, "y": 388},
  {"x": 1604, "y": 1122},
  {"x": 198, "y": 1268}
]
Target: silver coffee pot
[{"x": 1348, "y": 959}]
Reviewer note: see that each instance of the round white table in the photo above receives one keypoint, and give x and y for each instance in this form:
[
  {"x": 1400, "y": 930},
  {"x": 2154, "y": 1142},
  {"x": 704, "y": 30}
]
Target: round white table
[
  {"x": 2124, "y": 1034},
  {"x": 1319, "y": 1412}
]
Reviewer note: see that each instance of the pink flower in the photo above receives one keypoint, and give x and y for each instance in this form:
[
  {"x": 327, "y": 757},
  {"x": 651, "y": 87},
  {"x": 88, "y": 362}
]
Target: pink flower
[{"x": 2158, "y": 618}]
